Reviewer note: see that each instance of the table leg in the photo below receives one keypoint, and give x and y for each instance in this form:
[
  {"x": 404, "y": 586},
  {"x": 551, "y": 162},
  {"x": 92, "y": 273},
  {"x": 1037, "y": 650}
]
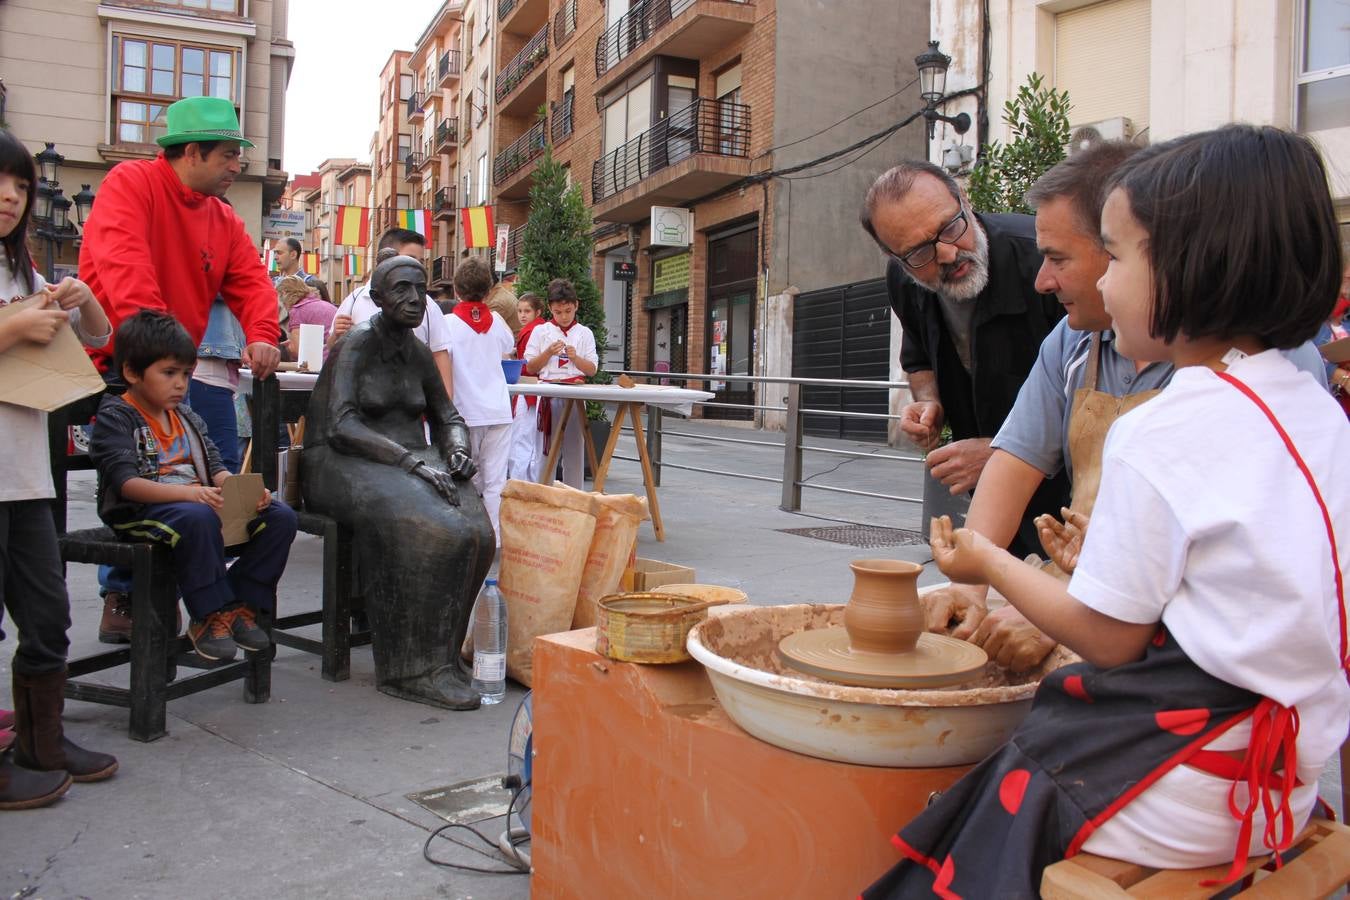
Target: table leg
[
  {"x": 555, "y": 443},
  {"x": 587, "y": 439},
  {"x": 647, "y": 477},
  {"x": 601, "y": 472}
]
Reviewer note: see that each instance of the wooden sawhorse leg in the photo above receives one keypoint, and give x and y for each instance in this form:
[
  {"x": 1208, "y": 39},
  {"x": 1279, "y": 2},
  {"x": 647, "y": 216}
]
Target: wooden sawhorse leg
[{"x": 570, "y": 405}]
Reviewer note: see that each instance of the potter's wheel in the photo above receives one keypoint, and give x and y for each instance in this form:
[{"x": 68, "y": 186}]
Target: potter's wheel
[{"x": 935, "y": 660}]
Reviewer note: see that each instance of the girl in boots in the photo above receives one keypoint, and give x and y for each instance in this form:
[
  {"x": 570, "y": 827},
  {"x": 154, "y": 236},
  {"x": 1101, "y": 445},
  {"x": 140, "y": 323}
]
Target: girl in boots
[{"x": 42, "y": 763}]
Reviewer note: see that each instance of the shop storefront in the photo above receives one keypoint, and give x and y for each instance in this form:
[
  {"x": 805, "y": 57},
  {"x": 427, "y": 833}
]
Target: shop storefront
[
  {"x": 730, "y": 325},
  {"x": 667, "y": 309}
]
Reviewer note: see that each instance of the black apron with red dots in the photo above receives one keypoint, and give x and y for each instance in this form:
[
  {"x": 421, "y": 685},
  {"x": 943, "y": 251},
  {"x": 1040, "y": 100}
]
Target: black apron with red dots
[{"x": 1091, "y": 743}]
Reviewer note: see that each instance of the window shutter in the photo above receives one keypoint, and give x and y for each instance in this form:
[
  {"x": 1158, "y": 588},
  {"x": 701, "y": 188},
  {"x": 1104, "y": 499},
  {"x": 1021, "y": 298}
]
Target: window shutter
[{"x": 1102, "y": 60}]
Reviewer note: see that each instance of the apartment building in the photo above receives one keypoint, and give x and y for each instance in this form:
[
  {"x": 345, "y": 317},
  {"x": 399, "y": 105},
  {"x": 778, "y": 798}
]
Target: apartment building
[
  {"x": 477, "y": 43},
  {"x": 1150, "y": 70},
  {"x": 433, "y": 168},
  {"x": 336, "y": 183},
  {"x": 392, "y": 144},
  {"x": 94, "y": 78},
  {"x": 696, "y": 104}
]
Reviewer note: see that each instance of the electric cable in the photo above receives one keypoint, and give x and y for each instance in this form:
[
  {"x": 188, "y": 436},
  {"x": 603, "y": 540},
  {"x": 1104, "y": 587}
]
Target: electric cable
[
  {"x": 840, "y": 122},
  {"x": 440, "y": 832}
]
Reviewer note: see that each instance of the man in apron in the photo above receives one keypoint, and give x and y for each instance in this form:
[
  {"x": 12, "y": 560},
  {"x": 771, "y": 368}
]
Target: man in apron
[{"x": 1077, "y": 389}]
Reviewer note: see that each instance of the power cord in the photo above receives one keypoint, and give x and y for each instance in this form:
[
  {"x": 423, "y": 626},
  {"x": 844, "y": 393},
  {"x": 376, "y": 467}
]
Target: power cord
[{"x": 512, "y": 781}]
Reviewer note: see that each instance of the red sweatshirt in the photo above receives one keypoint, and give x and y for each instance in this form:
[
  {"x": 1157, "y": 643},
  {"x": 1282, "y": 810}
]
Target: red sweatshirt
[{"x": 153, "y": 243}]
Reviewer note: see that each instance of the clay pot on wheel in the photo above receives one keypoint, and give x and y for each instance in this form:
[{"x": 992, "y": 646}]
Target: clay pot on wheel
[{"x": 883, "y": 613}]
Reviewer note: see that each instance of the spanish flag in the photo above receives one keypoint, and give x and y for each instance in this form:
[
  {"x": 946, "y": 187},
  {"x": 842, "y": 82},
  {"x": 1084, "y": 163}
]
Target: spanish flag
[
  {"x": 353, "y": 226},
  {"x": 310, "y": 265},
  {"x": 477, "y": 224},
  {"x": 418, "y": 220}
]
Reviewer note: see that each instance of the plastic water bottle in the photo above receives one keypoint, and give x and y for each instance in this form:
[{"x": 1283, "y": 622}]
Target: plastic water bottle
[{"x": 489, "y": 643}]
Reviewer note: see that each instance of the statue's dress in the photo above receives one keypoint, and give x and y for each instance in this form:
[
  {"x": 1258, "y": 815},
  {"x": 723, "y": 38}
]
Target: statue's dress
[{"x": 419, "y": 558}]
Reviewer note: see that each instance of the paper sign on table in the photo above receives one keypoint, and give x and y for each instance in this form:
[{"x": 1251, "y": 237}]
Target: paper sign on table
[
  {"x": 311, "y": 347},
  {"x": 241, "y": 493},
  {"x": 46, "y": 377}
]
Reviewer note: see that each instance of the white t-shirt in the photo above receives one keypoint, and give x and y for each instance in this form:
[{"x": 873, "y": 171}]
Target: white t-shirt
[
  {"x": 476, "y": 366},
  {"x": 1205, "y": 522},
  {"x": 25, "y": 465},
  {"x": 559, "y": 367},
  {"x": 431, "y": 332}
]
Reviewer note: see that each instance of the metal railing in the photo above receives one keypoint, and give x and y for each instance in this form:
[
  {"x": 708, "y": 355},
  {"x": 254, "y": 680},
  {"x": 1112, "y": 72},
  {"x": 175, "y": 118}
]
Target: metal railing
[
  {"x": 564, "y": 22},
  {"x": 562, "y": 118},
  {"x": 415, "y": 102},
  {"x": 442, "y": 269},
  {"x": 444, "y": 201},
  {"x": 633, "y": 29},
  {"x": 504, "y": 8},
  {"x": 532, "y": 54},
  {"x": 705, "y": 126},
  {"x": 520, "y": 152},
  {"x": 792, "y": 448},
  {"x": 514, "y": 241},
  {"x": 448, "y": 65},
  {"x": 412, "y": 163},
  {"x": 447, "y": 132}
]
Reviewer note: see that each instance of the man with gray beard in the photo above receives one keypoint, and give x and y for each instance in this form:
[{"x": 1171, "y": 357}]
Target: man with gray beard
[{"x": 964, "y": 287}]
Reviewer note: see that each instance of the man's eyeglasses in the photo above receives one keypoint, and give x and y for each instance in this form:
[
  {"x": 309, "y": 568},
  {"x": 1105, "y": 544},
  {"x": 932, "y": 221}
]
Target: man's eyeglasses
[{"x": 923, "y": 254}]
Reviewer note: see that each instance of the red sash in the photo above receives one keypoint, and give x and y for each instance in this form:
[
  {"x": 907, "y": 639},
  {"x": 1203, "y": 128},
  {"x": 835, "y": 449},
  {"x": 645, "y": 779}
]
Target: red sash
[
  {"x": 475, "y": 314},
  {"x": 546, "y": 412}
]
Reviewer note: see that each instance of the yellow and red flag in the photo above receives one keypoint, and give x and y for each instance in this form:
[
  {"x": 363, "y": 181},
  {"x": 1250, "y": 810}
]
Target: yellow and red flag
[
  {"x": 353, "y": 226},
  {"x": 310, "y": 266},
  {"x": 477, "y": 224}
]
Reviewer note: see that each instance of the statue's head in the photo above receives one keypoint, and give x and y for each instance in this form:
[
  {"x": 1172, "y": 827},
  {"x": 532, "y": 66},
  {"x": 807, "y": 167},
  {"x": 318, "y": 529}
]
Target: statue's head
[{"x": 399, "y": 286}]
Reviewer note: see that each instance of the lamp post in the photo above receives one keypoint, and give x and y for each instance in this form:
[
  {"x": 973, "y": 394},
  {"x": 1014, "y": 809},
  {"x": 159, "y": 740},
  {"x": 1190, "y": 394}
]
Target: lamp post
[
  {"x": 932, "y": 65},
  {"x": 51, "y": 212}
]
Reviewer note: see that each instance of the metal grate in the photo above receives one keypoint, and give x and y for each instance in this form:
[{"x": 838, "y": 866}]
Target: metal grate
[
  {"x": 860, "y": 535},
  {"x": 466, "y": 802}
]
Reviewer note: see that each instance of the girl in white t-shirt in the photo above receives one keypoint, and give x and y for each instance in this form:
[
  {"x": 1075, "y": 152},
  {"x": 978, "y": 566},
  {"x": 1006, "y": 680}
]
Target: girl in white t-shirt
[
  {"x": 1208, "y": 597},
  {"x": 479, "y": 341},
  {"x": 562, "y": 351},
  {"x": 43, "y": 762}
]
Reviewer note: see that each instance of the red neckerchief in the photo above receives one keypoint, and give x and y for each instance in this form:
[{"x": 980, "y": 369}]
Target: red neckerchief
[
  {"x": 567, "y": 329},
  {"x": 523, "y": 341},
  {"x": 475, "y": 314}
]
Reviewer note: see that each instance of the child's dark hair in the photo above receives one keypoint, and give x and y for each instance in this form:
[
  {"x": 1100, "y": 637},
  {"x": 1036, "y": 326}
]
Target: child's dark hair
[
  {"x": 473, "y": 279},
  {"x": 17, "y": 161},
  {"x": 532, "y": 298},
  {"x": 561, "y": 290},
  {"x": 149, "y": 336},
  {"x": 1242, "y": 234}
]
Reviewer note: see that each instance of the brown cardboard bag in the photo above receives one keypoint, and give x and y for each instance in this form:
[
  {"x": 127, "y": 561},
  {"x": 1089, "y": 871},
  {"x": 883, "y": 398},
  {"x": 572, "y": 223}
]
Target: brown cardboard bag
[
  {"x": 612, "y": 546},
  {"x": 546, "y": 534}
]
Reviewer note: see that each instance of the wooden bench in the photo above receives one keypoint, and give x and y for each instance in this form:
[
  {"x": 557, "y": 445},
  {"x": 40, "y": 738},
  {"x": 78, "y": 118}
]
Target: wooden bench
[{"x": 1317, "y": 865}]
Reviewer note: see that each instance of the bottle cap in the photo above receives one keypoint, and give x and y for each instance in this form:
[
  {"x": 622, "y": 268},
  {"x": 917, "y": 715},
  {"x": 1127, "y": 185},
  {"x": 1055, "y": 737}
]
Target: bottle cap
[{"x": 491, "y": 581}]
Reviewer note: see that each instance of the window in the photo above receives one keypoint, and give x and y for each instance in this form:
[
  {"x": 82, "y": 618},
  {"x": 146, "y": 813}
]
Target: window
[
  {"x": 482, "y": 22},
  {"x": 482, "y": 178},
  {"x": 350, "y": 195},
  {"x": 1324, "y": 66},
  {"x": 405, "y": 86},
  {"x": 224, "y": 6},
  {"x": 1102, "y": 58},
  {"x": 402, "y": 201},
  {"x": 628, "y": 116},
  {"x": 562, "y": 121},
  {"x": 404, "y": 146},
  {"x": 151, "y": 74},
  {"x": 481, "y": 100}
]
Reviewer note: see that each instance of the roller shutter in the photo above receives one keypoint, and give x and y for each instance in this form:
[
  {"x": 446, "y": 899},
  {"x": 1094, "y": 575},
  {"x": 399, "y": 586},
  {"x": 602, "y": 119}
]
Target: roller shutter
[{"x": 1102, "y": 60}]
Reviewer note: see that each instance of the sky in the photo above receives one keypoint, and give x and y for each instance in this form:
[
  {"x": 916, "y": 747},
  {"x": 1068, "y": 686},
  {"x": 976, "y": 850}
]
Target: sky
[{"x": 332, "y": 102}]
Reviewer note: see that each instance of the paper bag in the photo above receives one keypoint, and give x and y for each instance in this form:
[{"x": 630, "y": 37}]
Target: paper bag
[
  {"x": 546, "y": 533},
  {"x": 46, "y": 377},
  {"x": 242, "y": 494},
  {"x": 612, "y": 546}
]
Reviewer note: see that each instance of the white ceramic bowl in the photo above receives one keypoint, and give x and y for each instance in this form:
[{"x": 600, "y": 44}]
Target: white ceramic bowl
[{"x": 866, "y": 726}]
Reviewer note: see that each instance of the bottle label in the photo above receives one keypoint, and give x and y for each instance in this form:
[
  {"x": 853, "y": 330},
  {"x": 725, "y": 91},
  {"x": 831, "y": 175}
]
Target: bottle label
[{"x": 489, "y": 667}]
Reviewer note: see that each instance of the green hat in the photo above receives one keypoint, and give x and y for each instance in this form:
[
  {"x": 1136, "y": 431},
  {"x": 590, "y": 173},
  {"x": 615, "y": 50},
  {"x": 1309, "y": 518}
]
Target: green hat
[{"x": 202, "y": 119}]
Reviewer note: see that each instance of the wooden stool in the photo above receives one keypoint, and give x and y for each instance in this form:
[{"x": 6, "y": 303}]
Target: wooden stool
[{"x": 1316, "y": 865}]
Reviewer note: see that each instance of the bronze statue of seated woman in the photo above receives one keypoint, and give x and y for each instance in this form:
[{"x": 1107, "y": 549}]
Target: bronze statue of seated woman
[{"x": 423, "y": 545}]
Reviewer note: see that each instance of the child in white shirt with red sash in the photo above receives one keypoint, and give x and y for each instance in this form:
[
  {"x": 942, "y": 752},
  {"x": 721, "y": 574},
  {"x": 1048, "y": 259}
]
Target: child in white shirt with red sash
[{"x": 562, "y": 351}]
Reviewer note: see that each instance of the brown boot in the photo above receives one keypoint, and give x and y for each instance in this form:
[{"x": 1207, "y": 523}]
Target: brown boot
[
  {"x": 22, "y": 788},
  {"x": 115, "y": 626},
  {"x": 40, "y": 742}
]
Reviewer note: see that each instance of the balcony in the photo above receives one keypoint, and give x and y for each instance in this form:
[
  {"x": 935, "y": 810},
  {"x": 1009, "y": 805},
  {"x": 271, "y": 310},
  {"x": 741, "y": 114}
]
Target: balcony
[
  {"x": 508, "y": 165},
  {"x": 442, "y": 270},
  {"x": 522, "y": 78},
  {"x": 412, "y": 165},
  {"x": 514, "y": 241},
  {"x": 694, "y": 151},
  {"x": 522, "y": 17},
  {"x": 563, "y": 122},
  {"x": 564, "y": 22},
  {"x": 443, "y": 204},
  {"x": 692, "y": 29},
  {"x": 447, "y": 133},
  {"x": 416, "y": 100},
  {"x": 448, "y": 66}
]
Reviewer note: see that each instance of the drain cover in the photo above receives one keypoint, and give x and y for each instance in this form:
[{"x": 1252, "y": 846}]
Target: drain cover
[
  {"x": 860, "y": 535},
  {"x": 467, "y": 802}
]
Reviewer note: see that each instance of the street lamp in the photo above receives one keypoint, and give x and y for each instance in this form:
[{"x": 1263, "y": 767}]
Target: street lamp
[
  {"x": 932, "y": 65},
  {"x": 51, "y": 211}
]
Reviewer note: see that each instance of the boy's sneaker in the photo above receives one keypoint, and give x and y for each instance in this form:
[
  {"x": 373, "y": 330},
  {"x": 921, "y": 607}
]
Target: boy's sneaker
[
  {"x": 246, "y": 631},
  {"x": 212, "y": 638}
]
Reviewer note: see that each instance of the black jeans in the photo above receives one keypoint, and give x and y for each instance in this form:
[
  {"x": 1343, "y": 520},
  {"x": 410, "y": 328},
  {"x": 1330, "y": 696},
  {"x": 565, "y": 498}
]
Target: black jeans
[{"x": 33, "y": 586}]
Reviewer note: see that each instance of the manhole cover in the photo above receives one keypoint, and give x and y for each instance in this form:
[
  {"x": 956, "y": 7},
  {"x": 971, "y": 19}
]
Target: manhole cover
[
  {"x": 860, "y": 535},
  {"x": 467, "y": 802}
]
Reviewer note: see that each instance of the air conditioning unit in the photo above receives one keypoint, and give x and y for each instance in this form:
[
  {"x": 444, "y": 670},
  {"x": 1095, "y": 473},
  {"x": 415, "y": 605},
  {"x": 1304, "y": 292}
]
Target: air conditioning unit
[{"x": 1117, "y": 129}]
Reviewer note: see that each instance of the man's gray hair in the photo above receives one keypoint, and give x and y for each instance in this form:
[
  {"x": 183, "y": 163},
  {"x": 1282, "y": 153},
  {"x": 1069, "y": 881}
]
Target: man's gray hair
[
  {"x": 892, "y": 186},
  {"x": 1082, "y": 179}
]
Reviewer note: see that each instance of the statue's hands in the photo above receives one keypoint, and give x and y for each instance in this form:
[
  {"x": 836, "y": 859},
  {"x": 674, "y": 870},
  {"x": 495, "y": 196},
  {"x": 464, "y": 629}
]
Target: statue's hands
[
  {"x": 443, "y": 482},
  {"x": 461, "y": 464},
  {"x": 1063, "y": 541}
]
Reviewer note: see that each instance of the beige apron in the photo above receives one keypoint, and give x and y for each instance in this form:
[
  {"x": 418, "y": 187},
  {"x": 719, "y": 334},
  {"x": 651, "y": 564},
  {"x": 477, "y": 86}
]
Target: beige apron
[{"x": 1093, "y": 414}]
